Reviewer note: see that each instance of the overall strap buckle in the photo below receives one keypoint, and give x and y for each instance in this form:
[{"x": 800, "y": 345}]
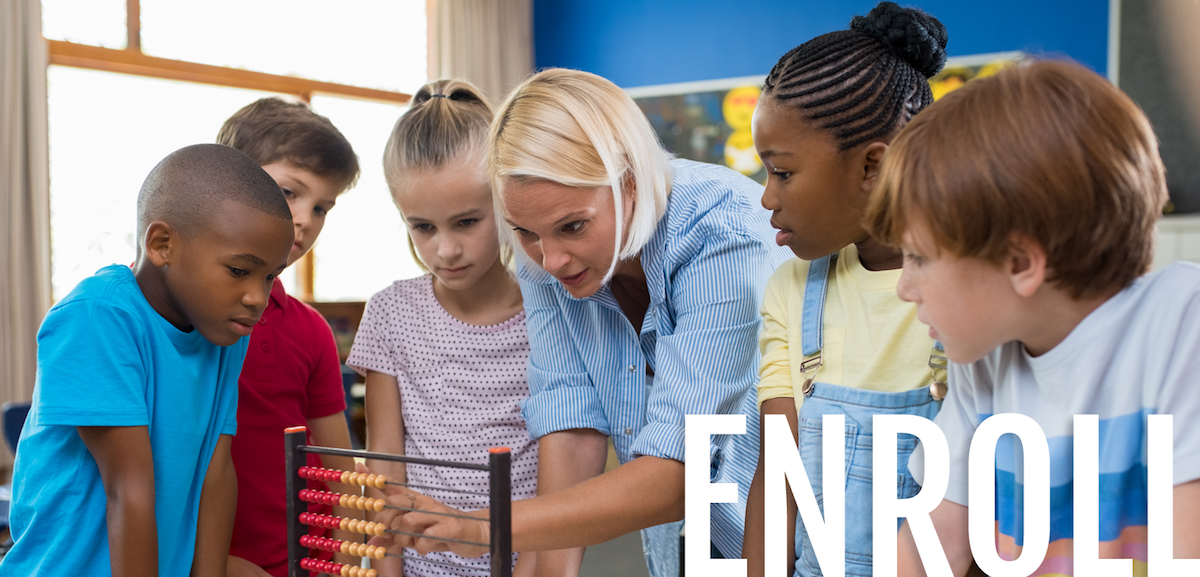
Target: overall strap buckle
[
  {"x": 938, "y": 362},
  {"x": 809, "y": 365}
]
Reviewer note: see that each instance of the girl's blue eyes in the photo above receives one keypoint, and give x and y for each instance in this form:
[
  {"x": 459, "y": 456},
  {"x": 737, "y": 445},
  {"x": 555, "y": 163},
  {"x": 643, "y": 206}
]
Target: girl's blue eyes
[{"x": 426, "y": 227}]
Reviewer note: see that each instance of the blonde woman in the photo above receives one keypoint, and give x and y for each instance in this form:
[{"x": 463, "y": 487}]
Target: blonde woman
[{"x": 642, "y": 278}]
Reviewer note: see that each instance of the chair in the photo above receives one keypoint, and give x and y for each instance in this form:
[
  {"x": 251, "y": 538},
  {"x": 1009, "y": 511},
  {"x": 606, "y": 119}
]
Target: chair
[{"x": 13, "y": 417}]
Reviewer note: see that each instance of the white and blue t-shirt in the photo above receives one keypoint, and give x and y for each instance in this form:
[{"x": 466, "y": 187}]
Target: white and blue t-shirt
[
  {"x": 106, "y": 358},
  {"x": 1137, "y": 354}
]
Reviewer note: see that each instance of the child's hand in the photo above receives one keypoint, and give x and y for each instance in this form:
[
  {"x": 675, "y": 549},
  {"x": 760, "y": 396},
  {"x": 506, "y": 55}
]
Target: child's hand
[
  {"x": 238, "y": 567},
  {"x": 438, "y": 532}
]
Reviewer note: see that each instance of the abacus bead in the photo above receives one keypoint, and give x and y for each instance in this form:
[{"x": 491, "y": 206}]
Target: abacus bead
[
  {"x": 332, "y": 499},
  {"x": 302, "y": 472},
  {"x": 377, "y": 505},
  {"x": 378, "y": 530},
  {"x": 355, "y": 502},
  {"x": 355, "y": 571},
  {"x": 341, "y": 500},
  {"x": 369, "y": 480},
  {"x": 304, "y": 518},
  {"x": 345, "y": 572},
  {"x": 343, "y": 477},
  {"x": 370, "y": 573},
  {"x": 381, "y": 482}
]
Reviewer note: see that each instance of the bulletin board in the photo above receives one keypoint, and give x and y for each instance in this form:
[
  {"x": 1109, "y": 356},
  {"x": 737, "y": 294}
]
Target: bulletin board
[{"x": 709, "y": 121}]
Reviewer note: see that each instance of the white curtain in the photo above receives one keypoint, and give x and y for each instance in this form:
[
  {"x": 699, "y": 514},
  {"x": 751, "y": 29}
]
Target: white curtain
[
  {"x": 24, "y": 197},
  {"x": 488, "y": 42}
]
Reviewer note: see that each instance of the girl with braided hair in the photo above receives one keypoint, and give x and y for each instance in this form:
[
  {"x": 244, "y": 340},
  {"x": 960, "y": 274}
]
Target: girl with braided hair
[{"x": 836, "y": 339}]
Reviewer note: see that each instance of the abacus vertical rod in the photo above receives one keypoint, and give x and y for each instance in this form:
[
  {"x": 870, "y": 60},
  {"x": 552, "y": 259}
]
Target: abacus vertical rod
[
  {"x": 294, "y": 440},
  {"x": 500, "y": 471}
]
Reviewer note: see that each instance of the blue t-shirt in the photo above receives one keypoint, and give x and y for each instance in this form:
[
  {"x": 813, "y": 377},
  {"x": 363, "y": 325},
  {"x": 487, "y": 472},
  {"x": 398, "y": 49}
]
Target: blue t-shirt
[{"x": 106, "y": 358}]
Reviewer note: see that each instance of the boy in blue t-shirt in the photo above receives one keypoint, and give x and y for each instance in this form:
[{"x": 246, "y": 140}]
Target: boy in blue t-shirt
[
  {"x": 1025, "y": 204},
  {"x": 124, "y": 465}
]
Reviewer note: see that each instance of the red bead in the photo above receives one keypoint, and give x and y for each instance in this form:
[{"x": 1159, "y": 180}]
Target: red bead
[
  {"x": 304, "y": 540},
  {"x": 330, "y": 475},
  {"x": 302, "y": 472},
  {"x": 304, "y": 518},
  {"x": 306, "y": 563}
]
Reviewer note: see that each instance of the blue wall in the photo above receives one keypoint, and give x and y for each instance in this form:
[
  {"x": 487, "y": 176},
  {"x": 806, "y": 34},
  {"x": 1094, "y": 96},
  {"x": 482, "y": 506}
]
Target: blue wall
[{"x": 639, "y": 43}]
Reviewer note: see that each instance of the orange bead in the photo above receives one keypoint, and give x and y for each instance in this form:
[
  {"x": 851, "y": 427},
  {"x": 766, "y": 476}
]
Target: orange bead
[
  {"x": 380, "y": 481},
  {"x": 345, "y": 475},
  {"x": 343, "y": 524},
  {"x": 370, "y": 573},
  {"x": 377, "y": 505},
  {"x": 345, "y": 548},
  {"x": 378, "y": 552},
  {"x": 345, "y": 572},
  {"x": 354, "y": 572},
  {"x": 341, "y": 502}
]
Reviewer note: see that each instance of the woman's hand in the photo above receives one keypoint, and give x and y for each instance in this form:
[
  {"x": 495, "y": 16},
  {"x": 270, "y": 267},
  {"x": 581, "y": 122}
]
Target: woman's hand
[{"x": 430, "y": 528}]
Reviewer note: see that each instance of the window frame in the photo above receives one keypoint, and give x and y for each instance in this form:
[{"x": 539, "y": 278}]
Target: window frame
[{"x": 134, "y": 62}]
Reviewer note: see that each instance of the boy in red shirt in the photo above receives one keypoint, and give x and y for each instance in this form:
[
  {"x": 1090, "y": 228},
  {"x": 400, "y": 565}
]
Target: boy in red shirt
[{"x": 292, "y": 374}]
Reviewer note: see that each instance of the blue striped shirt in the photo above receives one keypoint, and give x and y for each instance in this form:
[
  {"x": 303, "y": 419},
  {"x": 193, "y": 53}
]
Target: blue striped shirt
[{"x": 706, "y": 268}]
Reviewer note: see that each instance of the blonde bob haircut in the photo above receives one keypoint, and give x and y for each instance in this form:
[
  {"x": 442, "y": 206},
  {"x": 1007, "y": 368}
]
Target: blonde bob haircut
[
  {"x": 1048, "y": 150},
  {"x": 447, "y": 122},
  {"x": 580, "y": 130}
]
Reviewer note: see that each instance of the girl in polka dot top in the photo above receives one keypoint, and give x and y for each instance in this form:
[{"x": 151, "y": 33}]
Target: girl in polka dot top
[{"x": 444, "y": 354}]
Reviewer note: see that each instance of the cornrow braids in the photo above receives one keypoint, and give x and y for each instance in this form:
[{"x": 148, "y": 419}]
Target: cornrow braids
[{"x": 867, "y": 82}]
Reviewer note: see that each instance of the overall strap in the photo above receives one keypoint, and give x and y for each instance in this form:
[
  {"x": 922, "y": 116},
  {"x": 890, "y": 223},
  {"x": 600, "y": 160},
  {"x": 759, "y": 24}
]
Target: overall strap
[
  {"x": 814, "y": 304},
  {"x": 813, "y": 319}
]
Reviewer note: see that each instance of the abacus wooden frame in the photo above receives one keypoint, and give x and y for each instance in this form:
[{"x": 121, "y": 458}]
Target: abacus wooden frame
[{"x": 499, "y": 470}]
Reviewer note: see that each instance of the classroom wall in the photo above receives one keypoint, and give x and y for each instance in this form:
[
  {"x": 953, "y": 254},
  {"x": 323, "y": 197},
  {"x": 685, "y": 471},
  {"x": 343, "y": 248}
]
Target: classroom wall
[{"x": 647, "y": 42}]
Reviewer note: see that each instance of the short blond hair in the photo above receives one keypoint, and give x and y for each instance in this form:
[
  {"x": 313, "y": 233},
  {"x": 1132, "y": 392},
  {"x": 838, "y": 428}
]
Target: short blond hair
[
  {"x": 447, "y": 121},
  {"x": 578, "y": 129},
  {"x": 1049, "y": 150}
]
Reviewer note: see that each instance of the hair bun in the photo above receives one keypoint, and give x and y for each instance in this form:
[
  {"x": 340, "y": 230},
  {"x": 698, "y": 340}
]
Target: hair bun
[{"x": 917, "y": 37}]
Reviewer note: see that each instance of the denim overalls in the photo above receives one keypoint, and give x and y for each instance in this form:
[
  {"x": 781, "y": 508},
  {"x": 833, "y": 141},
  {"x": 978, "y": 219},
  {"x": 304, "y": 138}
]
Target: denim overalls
[{"x": 858, "y": 406}]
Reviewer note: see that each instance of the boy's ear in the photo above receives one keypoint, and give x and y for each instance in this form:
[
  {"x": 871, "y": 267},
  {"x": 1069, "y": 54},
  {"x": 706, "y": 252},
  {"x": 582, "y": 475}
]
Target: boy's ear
[
  {"x": 160, "y": 239},
  {"x": 872, "y": 157},
  {"x": 1025, "y": 264}
]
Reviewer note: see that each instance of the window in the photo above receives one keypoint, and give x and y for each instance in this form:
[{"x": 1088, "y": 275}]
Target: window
[{"x": 108, "y": 128}]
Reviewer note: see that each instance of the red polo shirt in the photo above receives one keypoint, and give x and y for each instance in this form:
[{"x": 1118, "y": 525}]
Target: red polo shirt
[{"x": 292, "y": 373}]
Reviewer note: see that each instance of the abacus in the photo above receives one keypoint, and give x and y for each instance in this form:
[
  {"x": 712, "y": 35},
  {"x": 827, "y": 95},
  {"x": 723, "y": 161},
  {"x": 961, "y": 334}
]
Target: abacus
[{"x": 299, "y": 496}]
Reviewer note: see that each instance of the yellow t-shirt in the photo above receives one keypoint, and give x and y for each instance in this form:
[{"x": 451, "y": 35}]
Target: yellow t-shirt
[{"x": 872, "y": 339}]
